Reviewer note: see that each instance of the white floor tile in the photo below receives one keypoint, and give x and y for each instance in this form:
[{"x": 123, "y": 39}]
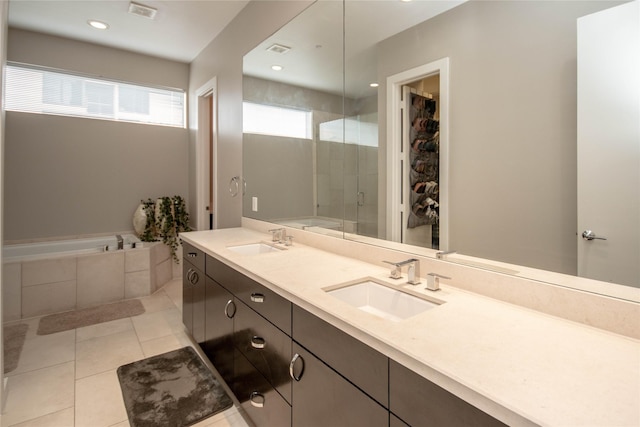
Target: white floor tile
[
  {"x": 99, "y": 401},
  {"x": 104, "y": 329},
  {"x": 159, "y": 301},
  {"x": 57, "y": 419},
  {"x": 159, "y": 324},
  {"x": 40, "y": 392},
  {"x": 105, "y": 353},
  {"x": 40, "y": 351}
]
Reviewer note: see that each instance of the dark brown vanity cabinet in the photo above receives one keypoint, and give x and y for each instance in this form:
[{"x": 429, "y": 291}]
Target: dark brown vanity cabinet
[
  {"x": 257, "y": 346},
  {"x": 220, "y": 310},
  {"x": 417, "y": 401},
  {"x": 322, "y": 397},
  {"x": 338, "y": 380},
  {"x": 193, "y": 291}
]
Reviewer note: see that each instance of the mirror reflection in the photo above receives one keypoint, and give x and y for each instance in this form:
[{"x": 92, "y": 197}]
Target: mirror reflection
[{"x": 495, "y": 165}]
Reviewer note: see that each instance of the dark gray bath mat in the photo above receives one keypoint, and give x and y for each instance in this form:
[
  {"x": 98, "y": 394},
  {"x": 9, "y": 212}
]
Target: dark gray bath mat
[
  {"x": 13, "y": 337},
  {"x": 89, "y": 316},
  {"x": 173, "y": 389}
]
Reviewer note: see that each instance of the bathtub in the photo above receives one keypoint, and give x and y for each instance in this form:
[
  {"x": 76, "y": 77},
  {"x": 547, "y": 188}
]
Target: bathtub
[
  {"x": 60, "y": 275},
  {"x": 54, "y": 248}
]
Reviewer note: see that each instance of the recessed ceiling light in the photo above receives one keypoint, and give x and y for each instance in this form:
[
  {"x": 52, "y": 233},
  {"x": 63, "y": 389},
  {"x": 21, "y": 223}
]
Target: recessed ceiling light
[
  {"x": 374, "y": 84},
  {"x": 276, "y": 67},
  {"x": 99, "y": 25}
]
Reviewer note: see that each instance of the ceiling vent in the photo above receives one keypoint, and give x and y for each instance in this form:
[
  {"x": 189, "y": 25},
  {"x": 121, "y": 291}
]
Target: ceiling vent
[
  {"x": 142, "y": 10},
  {"x": 278, "y": 48}
]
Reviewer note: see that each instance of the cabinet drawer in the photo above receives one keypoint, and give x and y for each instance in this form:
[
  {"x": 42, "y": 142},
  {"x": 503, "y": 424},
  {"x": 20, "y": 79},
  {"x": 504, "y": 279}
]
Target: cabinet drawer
[
  {"x": 257, "y": 397},
  {"x": 362, "y": 365},
  {"x": 417, "y": 400},
  {"x": 322, "y": 398},
  {"x": 266, "y": 302},
  {"x": 194, "y": 255},
  {"x": 265, "y": 346}
]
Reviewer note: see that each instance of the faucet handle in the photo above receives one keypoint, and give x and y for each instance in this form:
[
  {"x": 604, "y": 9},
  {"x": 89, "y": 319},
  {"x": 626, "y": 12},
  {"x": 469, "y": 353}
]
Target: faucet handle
[
  {"x": 441, "y": 254},
  {"x": 277, "y": 234},
  {"x": 396, "y": 272},
  {"x": 433, "y": 281}
]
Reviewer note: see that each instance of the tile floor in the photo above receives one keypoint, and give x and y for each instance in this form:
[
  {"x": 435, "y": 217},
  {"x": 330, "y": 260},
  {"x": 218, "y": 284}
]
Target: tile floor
[{"x": 68, "y": 379}]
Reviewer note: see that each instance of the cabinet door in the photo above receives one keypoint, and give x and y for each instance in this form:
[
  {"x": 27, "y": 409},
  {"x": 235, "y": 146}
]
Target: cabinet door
[
  {"x": 220, "y": 310},
  {"x": 362, "y": 365},
  {"x": 418, "y": 401},
  {"x": 193, "y": 292},
  {"x": 323, "y": 398},
  {"x": 262, "y": 403},
  {"x": 265, "y": 346},
  {"x": 187, "y": 296}
]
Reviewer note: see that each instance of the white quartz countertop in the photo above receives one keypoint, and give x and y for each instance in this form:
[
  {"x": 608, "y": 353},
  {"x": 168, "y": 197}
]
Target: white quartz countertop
[{"x": 521, "y": 366}]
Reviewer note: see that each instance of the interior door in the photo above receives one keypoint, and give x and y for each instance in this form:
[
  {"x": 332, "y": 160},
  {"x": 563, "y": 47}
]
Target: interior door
[{"x": 609, "y": 145}]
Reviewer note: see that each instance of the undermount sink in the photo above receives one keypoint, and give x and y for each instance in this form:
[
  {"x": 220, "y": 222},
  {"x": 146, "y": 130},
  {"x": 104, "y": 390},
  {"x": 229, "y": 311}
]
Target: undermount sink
[
  {"x": 382, "y": 300},
  {"x": 254, "y": 249}
]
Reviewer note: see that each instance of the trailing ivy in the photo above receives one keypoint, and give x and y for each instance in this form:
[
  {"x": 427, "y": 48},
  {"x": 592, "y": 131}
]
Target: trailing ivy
[
  {"x": 149, "y": 234},
  {"x": 165, "y": 220}
]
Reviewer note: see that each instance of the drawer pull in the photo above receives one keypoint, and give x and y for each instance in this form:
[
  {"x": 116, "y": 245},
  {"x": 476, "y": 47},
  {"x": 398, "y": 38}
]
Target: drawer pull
[
  {"x": 192, "y": 276},
  {"x": 292, "y": 373},
  {"x": 258, "y": 342},
  {"x": 192, "y": 254},
  {"x": 256, "y": 399},
  {"x": 256, "y": 297},
  {"x": 230, "y": 313}
]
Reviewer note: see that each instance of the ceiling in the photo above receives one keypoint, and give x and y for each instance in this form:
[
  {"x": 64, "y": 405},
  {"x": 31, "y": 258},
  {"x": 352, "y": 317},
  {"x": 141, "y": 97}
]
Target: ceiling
[
  {"x": 180, "y": 30},
  {"x": 317, "y": 39}
]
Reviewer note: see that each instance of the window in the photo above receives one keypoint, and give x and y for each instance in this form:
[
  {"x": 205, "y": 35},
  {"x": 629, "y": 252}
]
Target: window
[
  {"x": 277, "y": 121},
  {"x": 37, "y": 90}
]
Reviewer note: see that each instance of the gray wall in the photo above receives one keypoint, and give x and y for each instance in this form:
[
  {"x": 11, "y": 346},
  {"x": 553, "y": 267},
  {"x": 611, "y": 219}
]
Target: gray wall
[
  {"x": 68, "y": 176},
  {"x": 222, "y": 59},
  {"x": 280, "y": 171},
  {"x": 512, "y": 124}
]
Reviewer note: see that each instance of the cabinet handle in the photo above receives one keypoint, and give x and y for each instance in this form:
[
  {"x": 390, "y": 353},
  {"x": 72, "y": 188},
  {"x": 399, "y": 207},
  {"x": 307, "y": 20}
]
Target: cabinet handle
[
  {"x": 194, "y": 277},
  {"x": 258, "y": 342},
  {"x": 228, "y": 313},
  {"x": 256, "y": 399},
  {"x": 291, "y": 366},
  {"x": 256, "y": 297},
  {"x": 192, "y": 254},
  {"x": 189, "y": 274}
]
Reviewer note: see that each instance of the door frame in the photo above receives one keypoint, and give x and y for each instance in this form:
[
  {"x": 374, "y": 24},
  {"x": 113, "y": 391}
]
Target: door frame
[
  {"x": 395, "y": 154},
  {"x": 204, "y": 155}
]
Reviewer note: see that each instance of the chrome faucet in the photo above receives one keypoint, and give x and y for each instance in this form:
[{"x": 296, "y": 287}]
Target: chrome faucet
[
  {"x": 433, "y": 281},
  {"x": 413, "y": 270},
  {"x": 278, "y": 235},
  {"x": 120, "y": 241},
  {"x": 441, "y": 254}
]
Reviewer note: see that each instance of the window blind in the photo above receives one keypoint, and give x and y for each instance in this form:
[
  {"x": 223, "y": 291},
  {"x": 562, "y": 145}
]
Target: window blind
[{"x": 43, "y": 91}]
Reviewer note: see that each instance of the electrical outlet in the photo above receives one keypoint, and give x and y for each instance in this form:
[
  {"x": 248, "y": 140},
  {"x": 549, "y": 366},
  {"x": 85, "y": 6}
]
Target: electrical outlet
[{"x": 254, "y": 204}]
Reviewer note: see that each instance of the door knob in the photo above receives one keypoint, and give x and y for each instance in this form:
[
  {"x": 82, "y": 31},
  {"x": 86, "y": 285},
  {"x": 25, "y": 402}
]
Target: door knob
[{"x": 590, "y": 235}]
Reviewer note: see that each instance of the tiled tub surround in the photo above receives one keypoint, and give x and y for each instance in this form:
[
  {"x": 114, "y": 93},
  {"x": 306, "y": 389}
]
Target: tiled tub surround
[
  {"x": 57, "y": 282},
  {"x": 519, "y": 365}
]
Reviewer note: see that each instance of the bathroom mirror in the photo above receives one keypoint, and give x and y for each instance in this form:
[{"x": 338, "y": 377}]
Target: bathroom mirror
[{"x": 511, "y": 123}]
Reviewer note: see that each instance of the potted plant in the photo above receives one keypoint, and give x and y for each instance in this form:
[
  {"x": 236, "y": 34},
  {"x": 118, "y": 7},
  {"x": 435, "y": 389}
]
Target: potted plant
[{"x": 163, "y": 220}]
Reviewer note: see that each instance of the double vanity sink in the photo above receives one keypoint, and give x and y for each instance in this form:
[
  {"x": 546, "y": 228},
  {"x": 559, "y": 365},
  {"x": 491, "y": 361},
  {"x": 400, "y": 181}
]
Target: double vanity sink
[
  {"x": 367, "y": 294},
  {"x": 510, "y": 362}
]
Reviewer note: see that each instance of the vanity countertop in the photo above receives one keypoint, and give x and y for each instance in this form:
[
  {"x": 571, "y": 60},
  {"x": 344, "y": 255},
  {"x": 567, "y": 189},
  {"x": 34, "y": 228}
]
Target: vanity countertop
[{"x": 520, "y": 366}]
